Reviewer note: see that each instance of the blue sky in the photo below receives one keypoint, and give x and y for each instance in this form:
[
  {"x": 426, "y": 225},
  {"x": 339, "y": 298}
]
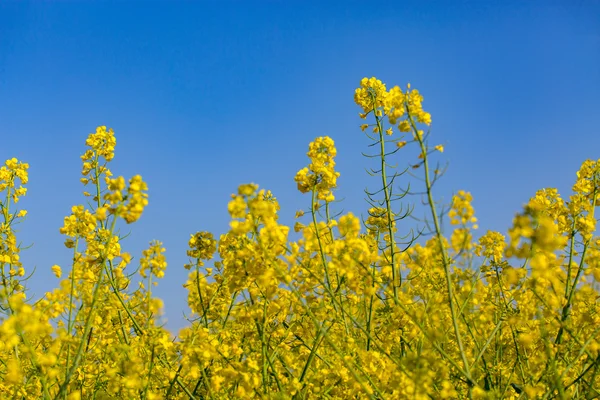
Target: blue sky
[{"x": 204, "y": 96}]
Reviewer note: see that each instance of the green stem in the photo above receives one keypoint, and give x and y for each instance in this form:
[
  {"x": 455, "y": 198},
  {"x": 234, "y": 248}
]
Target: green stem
[
  {"x": 321, "y": 250},
  {"x": 567, "y": 308},
  {"x": 438, "y": 233},
  {"x": 396, "y": 278},
  {"x": 88, "y": 326}
]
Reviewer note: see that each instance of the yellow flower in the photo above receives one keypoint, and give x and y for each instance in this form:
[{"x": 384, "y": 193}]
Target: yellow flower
[
  {"x": 101, "y": 213},
  {"x": 404, "y": 126},
  {"x": 57, "y": 271}
]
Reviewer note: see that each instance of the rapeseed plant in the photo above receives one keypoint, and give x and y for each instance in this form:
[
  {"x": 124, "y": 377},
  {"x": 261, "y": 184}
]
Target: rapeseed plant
[{"x": 351, "y": 309}]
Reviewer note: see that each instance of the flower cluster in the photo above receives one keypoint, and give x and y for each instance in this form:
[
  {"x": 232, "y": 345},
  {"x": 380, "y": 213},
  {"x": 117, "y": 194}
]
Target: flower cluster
[
  {"x": 320, "y": 175},
  {"x": 13, "y": 177},
  {"x": 12, "y": 170},
  {"x": 153, "y": 260},
  {"x": 372, "y": 96}
]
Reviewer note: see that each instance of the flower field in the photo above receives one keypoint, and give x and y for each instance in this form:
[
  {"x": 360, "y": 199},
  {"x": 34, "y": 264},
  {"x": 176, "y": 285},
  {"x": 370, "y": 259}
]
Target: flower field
[{"x": 352, "y": 308}]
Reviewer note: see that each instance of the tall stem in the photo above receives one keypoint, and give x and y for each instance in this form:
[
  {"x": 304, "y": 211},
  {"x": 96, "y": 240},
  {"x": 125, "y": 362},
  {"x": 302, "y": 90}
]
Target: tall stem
[
  {"x": 396, "y": 278},
  {"x": 439, "y": 236}
]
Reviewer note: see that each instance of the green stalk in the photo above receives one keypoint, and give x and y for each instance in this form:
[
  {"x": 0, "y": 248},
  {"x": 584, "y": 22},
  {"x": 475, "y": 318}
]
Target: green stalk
[
  {"x": 371, "y": 300},
  {"x": 321, "y": 250},
  {"x": 438, "y": 233},
  {"x": 88, "y": 326},
  {"x": 567, "y": 308},
  {"x": 70, "y": 321},
  {"x": 71, "y": 295},
  {"x": 396, "y": 278}
]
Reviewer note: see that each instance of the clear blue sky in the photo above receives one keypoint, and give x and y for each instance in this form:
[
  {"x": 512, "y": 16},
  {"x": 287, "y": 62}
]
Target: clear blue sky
[{"x": 204, "y": 96}]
